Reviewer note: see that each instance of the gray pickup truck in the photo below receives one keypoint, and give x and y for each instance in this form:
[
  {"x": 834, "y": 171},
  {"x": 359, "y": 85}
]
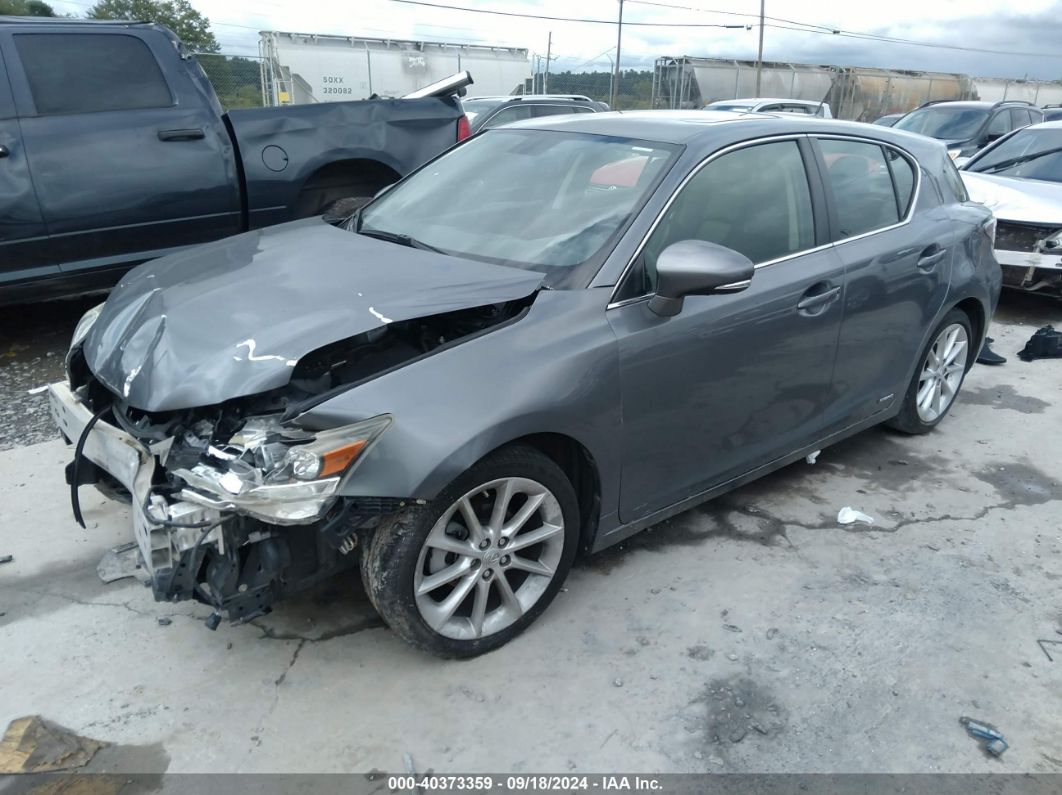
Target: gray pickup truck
[{"x": 114, "y": 150}]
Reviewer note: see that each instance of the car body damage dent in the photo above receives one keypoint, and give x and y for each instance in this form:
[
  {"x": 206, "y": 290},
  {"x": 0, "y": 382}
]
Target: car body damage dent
[{"x": 233, "y": 318}]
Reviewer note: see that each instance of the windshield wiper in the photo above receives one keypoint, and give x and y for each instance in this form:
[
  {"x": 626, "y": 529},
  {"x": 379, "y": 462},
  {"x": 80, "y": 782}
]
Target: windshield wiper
[
  {"x": 1017, "y": 161},
  {"x": 402, "y": 240}
]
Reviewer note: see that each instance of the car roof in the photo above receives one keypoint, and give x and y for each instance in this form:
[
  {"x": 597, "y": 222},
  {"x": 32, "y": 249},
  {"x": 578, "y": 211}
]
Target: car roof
[
  {"x": 702, "y": 126},
  {"x": 761, "y": 100},
  {"x": 975, "y": 103}
]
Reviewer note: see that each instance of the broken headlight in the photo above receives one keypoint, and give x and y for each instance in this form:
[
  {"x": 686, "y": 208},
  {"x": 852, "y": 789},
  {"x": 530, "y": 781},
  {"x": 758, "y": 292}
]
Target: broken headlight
[{"x": 277, "y": 473}]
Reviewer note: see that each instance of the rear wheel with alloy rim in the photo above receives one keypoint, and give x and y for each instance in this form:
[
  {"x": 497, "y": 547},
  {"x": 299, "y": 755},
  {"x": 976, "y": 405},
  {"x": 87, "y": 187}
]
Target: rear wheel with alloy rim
[
  {"x": 939, "y": 376},
  {"x": 470, "y": 570}
]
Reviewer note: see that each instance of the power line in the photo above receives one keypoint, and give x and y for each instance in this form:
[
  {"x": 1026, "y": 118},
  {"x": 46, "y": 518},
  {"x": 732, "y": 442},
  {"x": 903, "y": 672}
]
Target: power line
[
  {"x": 811, "y": 27},
  {"x": 580, "y": 20}
]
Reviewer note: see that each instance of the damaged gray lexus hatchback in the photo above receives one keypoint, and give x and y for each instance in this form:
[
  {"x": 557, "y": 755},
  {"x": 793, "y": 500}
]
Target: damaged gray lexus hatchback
[{"x": 543, "y": 341}]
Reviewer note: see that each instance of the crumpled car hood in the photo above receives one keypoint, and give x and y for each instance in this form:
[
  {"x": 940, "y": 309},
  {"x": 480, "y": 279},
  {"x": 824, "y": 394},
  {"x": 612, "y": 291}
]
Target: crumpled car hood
[
  {"x": 232, "y": 318},
  {"x": 1030, "y": 201}
]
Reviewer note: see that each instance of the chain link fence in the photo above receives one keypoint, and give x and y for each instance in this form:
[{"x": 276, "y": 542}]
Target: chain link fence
[{"x": 237, "y": 79}]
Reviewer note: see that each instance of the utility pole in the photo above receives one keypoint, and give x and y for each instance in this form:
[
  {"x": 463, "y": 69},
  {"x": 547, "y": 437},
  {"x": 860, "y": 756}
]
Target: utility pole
[
  {"x": 759, "y": 53},
  {"x": 549, "y": 48},
  {"x": 614, "y": 99}
]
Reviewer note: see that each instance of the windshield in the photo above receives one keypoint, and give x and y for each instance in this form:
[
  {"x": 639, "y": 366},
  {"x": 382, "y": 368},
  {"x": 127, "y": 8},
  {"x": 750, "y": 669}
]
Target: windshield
[
  {"x": 1030, "y": 154},
  {"x": 542, "y": 200},
  {"x": 479, "y": 105},
  {"x": 947, "y": 124}
]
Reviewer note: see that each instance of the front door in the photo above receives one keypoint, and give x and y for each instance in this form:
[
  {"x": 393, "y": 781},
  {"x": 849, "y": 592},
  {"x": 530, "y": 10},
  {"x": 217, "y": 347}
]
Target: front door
[
  {"x": 127, "y": 164},
  {"x": 736, "y": 379}
]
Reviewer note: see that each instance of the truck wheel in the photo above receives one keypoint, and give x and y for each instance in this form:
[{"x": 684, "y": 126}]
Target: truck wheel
[
  {"x": 316, "y": 200},
  {"x": 470, "y": 570},
  {"x": 341, "y": 210},
  {"x": 939, "y": 376}
]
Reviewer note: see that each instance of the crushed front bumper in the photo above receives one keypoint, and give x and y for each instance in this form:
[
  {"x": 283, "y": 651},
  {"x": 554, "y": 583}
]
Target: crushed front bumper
[{"x": 173, "y": 529}]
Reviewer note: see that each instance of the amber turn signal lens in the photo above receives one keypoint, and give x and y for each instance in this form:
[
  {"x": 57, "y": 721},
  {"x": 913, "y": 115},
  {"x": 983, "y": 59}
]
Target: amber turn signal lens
[{"x": 335, "y": 461}]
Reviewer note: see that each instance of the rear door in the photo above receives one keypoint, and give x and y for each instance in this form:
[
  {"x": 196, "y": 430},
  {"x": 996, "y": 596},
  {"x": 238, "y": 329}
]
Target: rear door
[
  {"x": 127, "y": 163},
  {"x": 22, "y": 235},
  {"x": 897, "y": 242},
  {"x": 736, "y": 379}
]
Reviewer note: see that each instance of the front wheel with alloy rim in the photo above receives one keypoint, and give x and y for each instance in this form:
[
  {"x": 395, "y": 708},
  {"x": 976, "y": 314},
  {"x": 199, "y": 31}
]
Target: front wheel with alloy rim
[
  {"x": 939, "y": 376},
  {"x": 470, "y": 570}
]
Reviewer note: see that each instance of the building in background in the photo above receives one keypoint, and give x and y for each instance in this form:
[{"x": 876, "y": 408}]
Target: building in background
[{"x": 301, "y": 68}]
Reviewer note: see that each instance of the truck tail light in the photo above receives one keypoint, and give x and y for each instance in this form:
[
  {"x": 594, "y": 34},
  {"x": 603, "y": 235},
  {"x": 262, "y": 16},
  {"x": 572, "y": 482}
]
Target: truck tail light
[{"x": 464, "y": 129}]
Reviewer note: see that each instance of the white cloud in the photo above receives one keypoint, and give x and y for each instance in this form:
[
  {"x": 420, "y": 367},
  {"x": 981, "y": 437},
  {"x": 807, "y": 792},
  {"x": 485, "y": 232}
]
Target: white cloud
[{"x": 958, "y": 22}]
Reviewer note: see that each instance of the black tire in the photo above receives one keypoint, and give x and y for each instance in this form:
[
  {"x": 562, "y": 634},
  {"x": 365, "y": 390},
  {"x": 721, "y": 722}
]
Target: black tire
[
  {"x": 316, "y": 199},
  {"x": 908, "y": 420},
  {"x": 390, "y": 559}
]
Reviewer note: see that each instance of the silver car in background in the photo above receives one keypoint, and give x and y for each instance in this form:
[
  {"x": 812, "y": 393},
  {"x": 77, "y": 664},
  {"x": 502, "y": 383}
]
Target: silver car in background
[{"x": 1019, "y": 178}]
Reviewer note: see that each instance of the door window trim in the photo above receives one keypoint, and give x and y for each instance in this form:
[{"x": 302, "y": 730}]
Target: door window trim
[
  {"x": 832, "y": 202},
  {"x": 795, "y": 137}
]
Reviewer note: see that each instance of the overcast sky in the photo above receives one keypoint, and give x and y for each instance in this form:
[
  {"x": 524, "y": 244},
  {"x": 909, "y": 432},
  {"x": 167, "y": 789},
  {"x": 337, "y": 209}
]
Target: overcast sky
[{"x": 1027, "y": 27}]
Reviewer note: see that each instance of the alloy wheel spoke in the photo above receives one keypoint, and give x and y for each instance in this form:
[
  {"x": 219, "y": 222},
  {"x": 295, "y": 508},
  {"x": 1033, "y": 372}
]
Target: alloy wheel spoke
[
  {"x": 442, "y": 612},
  {"x": 954, "y": 351},
  {"x": 439, "y": 540},
  {"x": 925, "y": 395},
  {"x": 479, "y": 605},
  {"x": 532, "y": 537},
  {"x": 508, "y": 597},
  {"x": 475, "y": 529},
  {"x": 447, "y": 575},
  {"x": 527, "y": 510},
  {"x": 532, "y": 566},
  {"x": 502, "y": 497}
]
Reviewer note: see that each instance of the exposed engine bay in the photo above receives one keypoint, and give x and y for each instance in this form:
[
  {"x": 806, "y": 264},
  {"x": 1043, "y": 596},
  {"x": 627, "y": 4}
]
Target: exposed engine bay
[{"x": 235, "y": 505}]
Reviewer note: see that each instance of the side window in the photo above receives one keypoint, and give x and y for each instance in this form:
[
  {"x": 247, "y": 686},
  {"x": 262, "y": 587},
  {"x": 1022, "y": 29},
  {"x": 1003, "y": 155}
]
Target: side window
[
  {"x": 509, "y": 115},
  {"x": 903, "y": 179},
  {"x": 1019, "y": 117},
  {"x": 754, "y": 200},
  {"x": 553, "y": 110},
  {"x": 862, "y": 186},
  {"x": 84, "y": 73},
  {"x": 1000, "y": 124},
  {"x": 797, "y": 109}
]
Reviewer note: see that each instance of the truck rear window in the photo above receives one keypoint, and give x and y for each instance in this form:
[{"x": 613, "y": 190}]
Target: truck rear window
[{"x": 88, "y": 72}]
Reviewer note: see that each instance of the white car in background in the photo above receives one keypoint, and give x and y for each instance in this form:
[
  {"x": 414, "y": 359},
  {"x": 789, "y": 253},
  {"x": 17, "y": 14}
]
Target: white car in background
[
  {"x": 803, "y": 107},
  {"x": 1019, "y": 178}
]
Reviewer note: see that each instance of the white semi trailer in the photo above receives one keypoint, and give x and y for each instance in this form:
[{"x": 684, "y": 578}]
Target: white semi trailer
[{"x": 300, "y": 68}]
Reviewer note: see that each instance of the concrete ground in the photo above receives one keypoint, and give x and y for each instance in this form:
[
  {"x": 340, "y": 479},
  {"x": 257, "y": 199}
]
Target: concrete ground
[{"x": 754, "y": 634}]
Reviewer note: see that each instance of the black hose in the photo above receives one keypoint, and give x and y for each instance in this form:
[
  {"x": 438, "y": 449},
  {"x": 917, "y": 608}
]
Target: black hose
[{"x": 79, "y": 452}]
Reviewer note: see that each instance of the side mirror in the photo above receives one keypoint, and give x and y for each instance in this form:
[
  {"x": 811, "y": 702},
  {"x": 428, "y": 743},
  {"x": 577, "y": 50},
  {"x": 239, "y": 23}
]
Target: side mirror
[{"x": 696, "y": 267}]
